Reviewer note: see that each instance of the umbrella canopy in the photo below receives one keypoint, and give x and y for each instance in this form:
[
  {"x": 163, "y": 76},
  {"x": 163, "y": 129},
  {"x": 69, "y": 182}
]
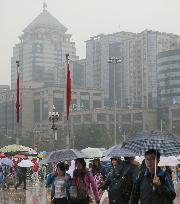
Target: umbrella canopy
[
  {"x": 25, "y": 163},
  {"x": 118, "y": 151},
  {"x": 91, "y": 153},
  {"x": 64, "y": 154},
  {"x": 12, "y": 149},
  {"x": 167, "y": 144},
  {"x": 43, "y": 161},
  {"x": 18, "y": 149},
  {"x": 20, "y": 156},
  {"x": 7, "y": 162},
  {"x": 43, "y": 154},
  {"x": 139, "y": 159},
  {"x": 168, "y": 161}
]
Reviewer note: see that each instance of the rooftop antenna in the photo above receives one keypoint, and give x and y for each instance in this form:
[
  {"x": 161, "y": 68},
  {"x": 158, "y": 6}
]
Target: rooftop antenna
[{"x": 44, "y": 6}]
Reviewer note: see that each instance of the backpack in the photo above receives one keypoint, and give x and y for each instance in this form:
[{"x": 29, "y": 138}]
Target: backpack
[{"x": 120, "y": 184}]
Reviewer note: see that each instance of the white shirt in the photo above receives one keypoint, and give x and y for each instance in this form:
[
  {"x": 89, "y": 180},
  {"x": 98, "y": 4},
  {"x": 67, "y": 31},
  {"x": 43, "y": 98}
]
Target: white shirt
[{"x": 60, "y": 188}]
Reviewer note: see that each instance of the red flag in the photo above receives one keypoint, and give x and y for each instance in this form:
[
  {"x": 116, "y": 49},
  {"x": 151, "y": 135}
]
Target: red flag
[
  {"x": 68, "y": 89},
  {"x": 17, "y": 97}
]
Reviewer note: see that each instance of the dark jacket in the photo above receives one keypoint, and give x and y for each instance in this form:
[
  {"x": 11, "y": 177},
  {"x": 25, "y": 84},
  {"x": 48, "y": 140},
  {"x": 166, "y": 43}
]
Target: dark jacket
[
  {"x": 21, "y": 172},
  {"x": 120, "y": 182},
  {"x": 147, "y": 193}
]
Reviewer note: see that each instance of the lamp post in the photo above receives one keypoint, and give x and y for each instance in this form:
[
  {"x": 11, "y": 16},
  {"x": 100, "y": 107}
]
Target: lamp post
[
  {"x": 114, "y": 61},
  {"x": 54, "y": 117}
]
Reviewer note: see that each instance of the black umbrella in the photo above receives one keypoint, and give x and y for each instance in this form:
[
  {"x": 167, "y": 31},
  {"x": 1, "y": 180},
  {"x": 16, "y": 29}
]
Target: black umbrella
[
  {"x": 167, "y": 144},
  {"x": 118, "y": 151},
  {"x": 64, "y": 154}
]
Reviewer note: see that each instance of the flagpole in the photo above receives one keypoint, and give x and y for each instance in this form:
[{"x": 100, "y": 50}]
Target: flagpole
[
  {"x": 68, "y": 100},
  {"x": 17, "y": 104}
]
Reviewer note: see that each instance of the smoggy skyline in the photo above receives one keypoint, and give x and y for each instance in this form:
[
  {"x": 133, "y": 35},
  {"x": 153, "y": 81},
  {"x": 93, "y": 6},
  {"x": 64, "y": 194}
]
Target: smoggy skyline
[{"x": 84, "y": 19}]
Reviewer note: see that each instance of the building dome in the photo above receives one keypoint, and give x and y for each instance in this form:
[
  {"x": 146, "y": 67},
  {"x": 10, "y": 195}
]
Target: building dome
[{"x": 45, "y": 19}]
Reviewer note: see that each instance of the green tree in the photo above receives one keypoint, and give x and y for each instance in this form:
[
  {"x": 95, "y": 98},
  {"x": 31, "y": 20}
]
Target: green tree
[{"x": 92, "y": 136}]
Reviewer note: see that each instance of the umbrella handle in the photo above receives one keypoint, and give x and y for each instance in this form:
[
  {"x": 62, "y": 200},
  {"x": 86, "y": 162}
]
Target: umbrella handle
[{"x": 155, "y": 172}]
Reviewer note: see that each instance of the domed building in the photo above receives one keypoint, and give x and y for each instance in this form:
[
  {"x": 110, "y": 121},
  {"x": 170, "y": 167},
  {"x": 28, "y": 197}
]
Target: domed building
[{"x": 41, "y": 51}]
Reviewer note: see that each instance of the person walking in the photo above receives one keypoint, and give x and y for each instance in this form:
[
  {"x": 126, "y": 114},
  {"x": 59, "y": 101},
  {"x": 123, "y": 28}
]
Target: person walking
[
  {"x": 153, "y": 186},
  {"x": 60, "y": 182},
  {"x": 21, "y": 177},
  {"x": 5, "y": 174},
  {"x": 120, "y": 181},
  {"x": 83, "y": 181},
  {"x": 178, "y": 173},
  {"x": 35, "y": 173}
]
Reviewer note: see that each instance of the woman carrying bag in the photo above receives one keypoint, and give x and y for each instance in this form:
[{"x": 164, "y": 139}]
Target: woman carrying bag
[{"x": 83, "y": 182}]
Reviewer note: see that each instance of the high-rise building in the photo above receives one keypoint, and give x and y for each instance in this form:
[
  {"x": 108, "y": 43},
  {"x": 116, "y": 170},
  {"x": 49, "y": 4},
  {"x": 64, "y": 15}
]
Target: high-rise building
[
  {"x": 169, "y": 77},
  {"x": 4, "y": 88},
  {"x": 97, "y": 54},
  {"x": 41, "y": 51},
  {"x": 78, "y": 72},
  {"x": 136, "y": 76}
]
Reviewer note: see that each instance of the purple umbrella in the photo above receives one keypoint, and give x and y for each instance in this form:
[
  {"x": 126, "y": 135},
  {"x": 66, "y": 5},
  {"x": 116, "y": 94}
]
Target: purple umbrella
[{"x": 7, "y": 162}]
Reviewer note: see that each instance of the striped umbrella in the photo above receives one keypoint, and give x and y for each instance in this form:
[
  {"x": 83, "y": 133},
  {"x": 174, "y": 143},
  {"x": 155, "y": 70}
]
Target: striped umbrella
[
  {"x": 166, "y": 143},
  {"x": 118, "y": 151},
  {"x": 64, "y": 154}
]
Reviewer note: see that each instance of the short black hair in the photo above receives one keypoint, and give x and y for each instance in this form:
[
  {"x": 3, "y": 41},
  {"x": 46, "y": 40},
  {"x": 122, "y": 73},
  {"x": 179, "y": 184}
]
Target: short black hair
[
  {"x": 153, "y": 151},
  {"x": 61, "y": 166},
  {"x": 128, "y": 158},
  {"x": 114, "y": 158}
]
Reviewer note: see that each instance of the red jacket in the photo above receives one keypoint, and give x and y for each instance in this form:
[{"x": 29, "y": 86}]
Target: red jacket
[{"x": 36, "y": 167}]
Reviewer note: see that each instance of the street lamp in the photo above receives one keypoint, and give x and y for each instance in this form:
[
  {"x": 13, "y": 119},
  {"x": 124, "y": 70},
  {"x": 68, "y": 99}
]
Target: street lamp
[
  {"x": 54, "y": 117},
  {"x": 114, "y": 61}
]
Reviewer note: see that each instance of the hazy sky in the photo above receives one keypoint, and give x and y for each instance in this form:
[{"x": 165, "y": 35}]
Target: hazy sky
[{"x": 84, "y": 18}]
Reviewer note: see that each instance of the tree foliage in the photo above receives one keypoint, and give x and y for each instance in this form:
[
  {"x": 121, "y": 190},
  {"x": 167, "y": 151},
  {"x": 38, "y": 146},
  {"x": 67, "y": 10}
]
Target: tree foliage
[{"x": 93, "y": 136}]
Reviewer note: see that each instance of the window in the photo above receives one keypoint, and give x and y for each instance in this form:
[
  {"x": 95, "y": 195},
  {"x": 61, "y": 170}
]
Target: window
[
  {"x": 96, "y": 104},
  {"x": 101, "y": 117},
  {"x": 37, "y": 110},
  {"x": 88, "y": 118},
  {"x": 77, "y": 119}
]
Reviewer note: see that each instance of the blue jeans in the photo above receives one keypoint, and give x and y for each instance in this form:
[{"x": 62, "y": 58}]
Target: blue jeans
[{"x": 177, "y": 175}]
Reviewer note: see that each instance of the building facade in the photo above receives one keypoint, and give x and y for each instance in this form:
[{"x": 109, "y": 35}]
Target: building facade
[
  {"x": 78, "y": 73},
  {"x": 174, "y": 118},
  {"x": 169, "y": 77},
  {"x": 136, "y": 77},
  {"x": 4, "y": 88},
  {"x": 36, "y": 101},
  {"x": 97, "y": 54},
  {"x": 41, "y": 51}
]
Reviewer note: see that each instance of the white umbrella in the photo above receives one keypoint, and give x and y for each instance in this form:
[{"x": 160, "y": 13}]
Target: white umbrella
[
  {"x": 25, "y": 163},
  {"x": 91, "y": 152},
  {"x": 139, "y": 159},
  {"x": 168, "y": 161}
]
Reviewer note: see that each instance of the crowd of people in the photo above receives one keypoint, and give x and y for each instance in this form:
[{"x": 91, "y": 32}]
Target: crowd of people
[
  {"x": 75, "y": 182},
  {"x": 14, "y": 175},
  {"x": 125, "y": 181}
]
